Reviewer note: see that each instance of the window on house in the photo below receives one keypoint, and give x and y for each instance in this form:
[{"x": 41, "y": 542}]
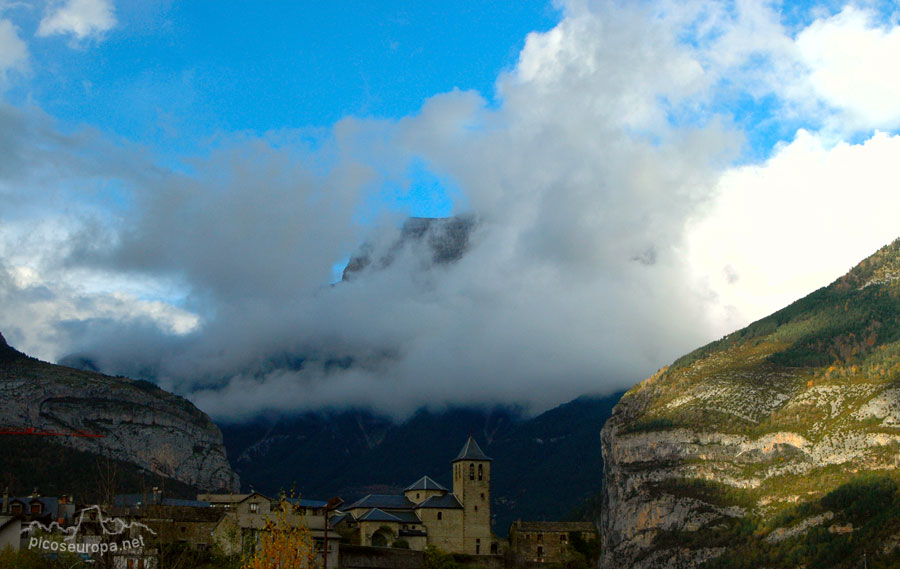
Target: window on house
[
  {"x": 480, "y": 471},
  {"x": 540, "y": 552},
  {"x": 476, "y": 508},
  {"x": 417, "y": 495},
  {"x": 482, "y": 495},
  {"x": 36, "y": 508},
  {"x": 471, "y": 472},
  {"x": 440, "y": 515},
  {"x": 494, "y": 548},
  {"x": 254, "y": 507},
  {"x": 562, "y": 537},
  {"x": 540, "y": 538}
]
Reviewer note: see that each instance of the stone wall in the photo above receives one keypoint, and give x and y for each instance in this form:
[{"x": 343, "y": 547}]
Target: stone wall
[
  {"x": 446, "y": 533},
  {"x": 361, "y": 557}
]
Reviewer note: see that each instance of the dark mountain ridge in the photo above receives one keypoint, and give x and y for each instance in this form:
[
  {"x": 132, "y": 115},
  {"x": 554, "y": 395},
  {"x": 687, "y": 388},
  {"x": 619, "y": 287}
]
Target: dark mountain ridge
[{"x": 544, "y": 467}]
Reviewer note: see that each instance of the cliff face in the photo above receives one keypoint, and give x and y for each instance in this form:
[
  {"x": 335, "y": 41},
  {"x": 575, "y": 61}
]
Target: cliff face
[
  {"x": 441, "y": 240},
  {"x": 141, "y": 423},
  {"x": 743, "y": 449}
]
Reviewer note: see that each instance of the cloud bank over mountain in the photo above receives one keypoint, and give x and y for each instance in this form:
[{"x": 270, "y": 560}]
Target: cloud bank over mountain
[{"x": 620, "y": 220}]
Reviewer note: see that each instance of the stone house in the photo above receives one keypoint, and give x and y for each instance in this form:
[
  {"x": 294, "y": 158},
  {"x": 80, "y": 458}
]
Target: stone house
[
  {"x": 189, "y": 525},
  {"x": 547, "y": 542},
  {"x": 10, "y": 532},
  {"x": 245, "y": 515}
]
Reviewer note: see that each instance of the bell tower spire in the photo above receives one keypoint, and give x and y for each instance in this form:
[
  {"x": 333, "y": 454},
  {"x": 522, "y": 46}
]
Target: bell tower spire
[{"x": 472, "y": 487}]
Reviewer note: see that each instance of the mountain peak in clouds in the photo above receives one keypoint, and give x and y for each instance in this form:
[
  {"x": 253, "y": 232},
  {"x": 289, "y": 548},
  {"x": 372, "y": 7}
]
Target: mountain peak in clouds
[
  {"x": 446, "y": 240},
  {"x": 7, "y": 352}
]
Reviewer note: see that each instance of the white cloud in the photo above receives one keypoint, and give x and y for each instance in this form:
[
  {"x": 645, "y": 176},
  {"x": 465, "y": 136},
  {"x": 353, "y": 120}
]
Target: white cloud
[
  {"x": 13, "y": 50},
  {"x": 852, "y": 60},
  {"x": 610, "y": 240},
  {"x": 42, "y": 313},
  {"x": 80, "y": 18},
  {"x": 581, "y": 183},
  {"x": 782, "y": 229},
  {"x": 40, "y": 296},
  {"x": 611, "y": 64}
]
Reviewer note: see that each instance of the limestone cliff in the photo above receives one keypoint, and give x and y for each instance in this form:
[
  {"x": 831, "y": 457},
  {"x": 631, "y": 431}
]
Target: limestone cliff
[
  {"x": 743, "y": 452},
  {"x": 441, "y": 241},
  {"x": 141, "y": 423}
]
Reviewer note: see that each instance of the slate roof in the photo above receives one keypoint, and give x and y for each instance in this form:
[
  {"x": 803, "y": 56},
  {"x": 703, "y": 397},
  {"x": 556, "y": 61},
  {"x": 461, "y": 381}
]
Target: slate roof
[
  {"x": 407, "y": 517},
  {"x": 221, "y": 498},
  {"x": 304, "y": 503},
  {"x": 444, "y": 502},
  {"x": 182, "y": 514},
  {"x": 376, "y": 515},
  {"x": 49, "y": 504},
  {"x": 471, "y": 451},
  {"x": 131, "y": 500},
  {"x": 255, "y": 494},
  {"x": 185, "y": 503},
  {"x": 425, "y": 483},
  {"x": 384, "y": 501}
]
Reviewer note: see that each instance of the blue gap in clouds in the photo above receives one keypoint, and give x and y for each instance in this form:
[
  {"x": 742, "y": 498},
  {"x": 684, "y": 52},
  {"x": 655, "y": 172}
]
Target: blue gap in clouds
[
  {"x": 799, "y": 14},
  {"x": 421, "y": 193},
  {"x": 427, "y": 195},
  {"x": 762, "y": 124}
]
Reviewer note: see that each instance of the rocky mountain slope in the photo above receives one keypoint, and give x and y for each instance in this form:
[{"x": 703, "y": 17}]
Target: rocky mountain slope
[
  {"x": 140, "y": 423},
  {"x": 776, "y": 446},
  {"x": 543, "y": 466},
  {"x": 441, "y": 240}
]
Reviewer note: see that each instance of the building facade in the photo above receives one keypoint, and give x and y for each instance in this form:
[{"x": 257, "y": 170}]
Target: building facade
[
  {"x": 548, "y": 542},
  {"x": 427, "y": 513}
]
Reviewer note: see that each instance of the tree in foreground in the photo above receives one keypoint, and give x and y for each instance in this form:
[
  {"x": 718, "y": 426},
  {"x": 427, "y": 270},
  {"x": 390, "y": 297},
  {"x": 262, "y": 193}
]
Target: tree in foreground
[{"x": 284, "y": 544}]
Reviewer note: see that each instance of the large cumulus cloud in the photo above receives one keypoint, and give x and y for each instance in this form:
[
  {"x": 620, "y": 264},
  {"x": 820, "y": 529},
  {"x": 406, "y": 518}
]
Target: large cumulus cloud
[{"x": 610, "y": 235}]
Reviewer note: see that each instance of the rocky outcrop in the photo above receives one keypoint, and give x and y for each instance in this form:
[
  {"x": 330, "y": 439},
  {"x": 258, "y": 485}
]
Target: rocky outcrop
[
  {"x": 754, "y": 426},
  {"x": 648, "y": 473},
  {"x": 439, "y": 241},
  {"x": 139, "y": 422}
]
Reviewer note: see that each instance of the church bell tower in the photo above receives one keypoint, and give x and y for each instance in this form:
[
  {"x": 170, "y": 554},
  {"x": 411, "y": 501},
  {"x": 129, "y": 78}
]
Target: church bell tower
[{"x": 472, "y": 487}]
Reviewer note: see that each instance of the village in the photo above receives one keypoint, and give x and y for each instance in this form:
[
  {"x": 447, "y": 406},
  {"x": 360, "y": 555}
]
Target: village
[{"x": 150, "y": 530}]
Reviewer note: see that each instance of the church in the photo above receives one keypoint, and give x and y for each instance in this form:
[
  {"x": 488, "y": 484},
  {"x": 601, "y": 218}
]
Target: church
[{"x": 426, "y": 513}]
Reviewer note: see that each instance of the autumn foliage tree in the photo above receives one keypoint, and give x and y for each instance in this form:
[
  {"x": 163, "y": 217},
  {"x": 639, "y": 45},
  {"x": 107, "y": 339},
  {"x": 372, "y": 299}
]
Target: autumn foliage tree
[{"x": 283, "y": 544}]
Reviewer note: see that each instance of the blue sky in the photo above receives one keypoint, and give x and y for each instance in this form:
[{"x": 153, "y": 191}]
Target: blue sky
[
  {"x": 182, "y": 181},
  {"x": 177, "y": 73}
]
